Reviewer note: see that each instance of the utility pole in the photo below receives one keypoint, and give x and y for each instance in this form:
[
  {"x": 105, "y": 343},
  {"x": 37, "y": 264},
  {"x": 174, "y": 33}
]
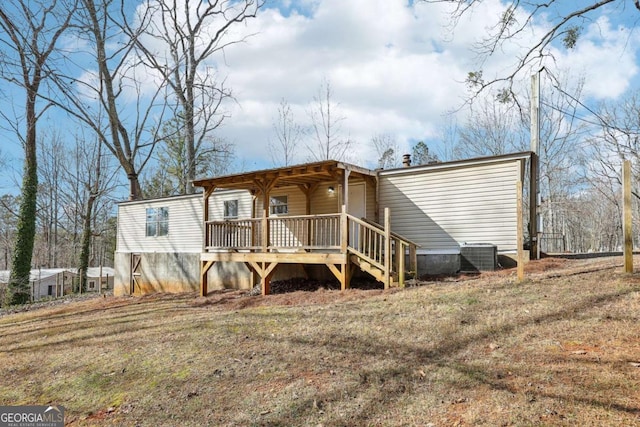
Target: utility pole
[
  {"x": 534, "y": 247},
  {"x": 627, "y": 220}
]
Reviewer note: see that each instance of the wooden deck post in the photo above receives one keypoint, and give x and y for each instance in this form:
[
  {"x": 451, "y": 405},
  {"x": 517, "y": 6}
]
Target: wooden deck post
[
  {"x": 400, "y": 262},
  {"x": 413, "y": 260},
  {"x": 344, "y": 244},
  {"x": 387, "y": 249},
  {"x": 205, "y": 265},
  {"x": 265, "y": 219},
  {"x": 204, "y": 276}
]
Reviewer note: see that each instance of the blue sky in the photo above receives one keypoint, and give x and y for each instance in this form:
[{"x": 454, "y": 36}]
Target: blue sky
[{"x": 394, "y": 67}]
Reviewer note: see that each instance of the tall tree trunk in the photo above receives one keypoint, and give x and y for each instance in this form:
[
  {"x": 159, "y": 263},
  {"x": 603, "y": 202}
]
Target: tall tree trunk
[
  {"x": 86, "y": 242},
  {"x": 19, "y": 292}
]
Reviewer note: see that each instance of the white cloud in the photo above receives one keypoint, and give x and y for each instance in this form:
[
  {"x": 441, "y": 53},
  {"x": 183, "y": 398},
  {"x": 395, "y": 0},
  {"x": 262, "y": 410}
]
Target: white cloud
[
  {"x": 606, "y": 55},
  {"x": 381, "y": 57}
]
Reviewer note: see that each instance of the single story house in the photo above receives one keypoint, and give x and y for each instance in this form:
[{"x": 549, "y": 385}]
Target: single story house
[
  {"x": 56, "y": 282},
  {"x": 326, "y": 218},
  {"x": 46, "y": 282},
  {"x": 100, "y": 279}
]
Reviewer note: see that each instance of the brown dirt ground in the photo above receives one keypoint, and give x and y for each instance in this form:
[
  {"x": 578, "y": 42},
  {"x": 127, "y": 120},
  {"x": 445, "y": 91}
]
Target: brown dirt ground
[{"x": 561, "y": 348}]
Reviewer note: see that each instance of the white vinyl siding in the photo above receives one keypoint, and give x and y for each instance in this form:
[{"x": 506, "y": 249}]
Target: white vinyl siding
[
  {"x": 185, "y": 225},
  {"x": 440, "y": 209},
  {"x": 296, "y": 203},
  {"x": 185, "y": 222},
  {"x": 325, "y": 202},
  {"x": 371, "y": 201}
]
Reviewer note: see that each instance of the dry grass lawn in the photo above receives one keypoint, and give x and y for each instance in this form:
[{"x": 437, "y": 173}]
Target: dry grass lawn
[{"x": 562, "y": 348}]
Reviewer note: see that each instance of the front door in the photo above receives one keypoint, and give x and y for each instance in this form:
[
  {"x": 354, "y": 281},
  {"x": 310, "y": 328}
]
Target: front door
[{"x": 357, "y": 200}]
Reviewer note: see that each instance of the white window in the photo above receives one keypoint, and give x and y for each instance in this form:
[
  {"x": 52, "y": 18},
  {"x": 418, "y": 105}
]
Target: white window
[
  {"x": 157, "y": 222},
  {"x": 278, "y": 205},
  {"x": 230, "y": 209},
  {"x": 92, "y": 284}
]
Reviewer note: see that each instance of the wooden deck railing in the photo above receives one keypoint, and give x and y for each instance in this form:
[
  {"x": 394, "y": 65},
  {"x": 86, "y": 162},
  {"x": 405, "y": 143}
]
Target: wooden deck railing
[
  {"x": 234, "y": 234},
  {"x": 303, "y": 232},
  {"x": 366, "y": 241},
  {"x": 381, "y": 247},
  {"x": 374, "y": 243}
]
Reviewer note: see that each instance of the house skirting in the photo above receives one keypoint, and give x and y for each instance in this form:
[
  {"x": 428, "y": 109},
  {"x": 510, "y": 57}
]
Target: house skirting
[
  {"x": 180, "y": 272},
  {"x": 173, "y": 273}
]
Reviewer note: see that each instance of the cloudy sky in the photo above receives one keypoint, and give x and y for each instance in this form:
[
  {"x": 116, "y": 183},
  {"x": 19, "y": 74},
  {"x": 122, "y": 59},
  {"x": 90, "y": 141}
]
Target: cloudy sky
[{"x": 394, "y": 66}]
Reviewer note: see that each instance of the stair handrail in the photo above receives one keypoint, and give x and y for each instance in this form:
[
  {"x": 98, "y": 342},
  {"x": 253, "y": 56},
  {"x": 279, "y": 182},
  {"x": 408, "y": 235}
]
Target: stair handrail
[
  {"x": 372, "y": 260},
  {"x": 390, "y": 266},
  {"x": 393, "y": 233}
]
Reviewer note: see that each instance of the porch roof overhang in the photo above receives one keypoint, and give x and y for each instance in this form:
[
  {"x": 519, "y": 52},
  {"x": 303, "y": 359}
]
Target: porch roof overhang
[{"x": 308, "y": 174}]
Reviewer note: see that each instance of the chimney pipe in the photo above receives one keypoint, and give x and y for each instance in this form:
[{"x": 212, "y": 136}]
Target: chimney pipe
[{"x": 406, "y": 160}]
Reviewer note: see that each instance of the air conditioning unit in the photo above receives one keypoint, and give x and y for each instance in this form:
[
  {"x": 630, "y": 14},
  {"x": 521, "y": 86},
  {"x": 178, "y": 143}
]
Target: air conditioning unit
[{"x": 476, "y": 257}]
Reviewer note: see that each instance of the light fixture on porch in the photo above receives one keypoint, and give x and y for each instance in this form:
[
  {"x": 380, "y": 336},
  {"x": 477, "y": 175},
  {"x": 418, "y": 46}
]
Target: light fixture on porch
[{"x": 331, "y": 190}]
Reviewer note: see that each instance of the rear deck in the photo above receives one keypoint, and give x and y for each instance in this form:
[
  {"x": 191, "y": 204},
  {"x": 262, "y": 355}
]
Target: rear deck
[{"x": 339, "y": 241}]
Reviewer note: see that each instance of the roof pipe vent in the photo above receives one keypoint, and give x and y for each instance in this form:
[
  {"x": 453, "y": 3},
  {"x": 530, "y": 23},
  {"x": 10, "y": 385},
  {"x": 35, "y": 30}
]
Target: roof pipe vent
[{"x": 406, "y": 160}]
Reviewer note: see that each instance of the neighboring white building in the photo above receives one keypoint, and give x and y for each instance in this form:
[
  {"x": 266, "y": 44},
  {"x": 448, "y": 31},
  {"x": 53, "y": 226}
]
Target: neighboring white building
[
  {"x": 57, "y": 282},
  {"x": 100, "y": 279},
  {"x": 442, "y": 207},
  {"x": 46, "y": 282}
]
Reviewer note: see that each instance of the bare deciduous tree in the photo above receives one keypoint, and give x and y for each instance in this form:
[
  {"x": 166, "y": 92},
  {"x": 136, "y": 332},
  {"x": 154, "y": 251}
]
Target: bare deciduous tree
[
  {"x": 29, "y": 34},
  {"x": 77, "y": 179},
  {"x": 113, "y": 100},
  {"x": 8, "y": 224},
  {"x": 288, "y": 135},
  {"x": 493, "y": 128},
  {"x": 386, "y": 148},
  {"x": 326, "y": 121},
  {"x": 518, "y": 17},
  {"x": 179, "y": 42},
  {"x": 172, "y": 177}
]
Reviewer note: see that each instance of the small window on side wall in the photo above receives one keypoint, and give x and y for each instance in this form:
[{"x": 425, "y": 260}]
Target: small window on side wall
[
  {"x": 157, "y": 222},
  {"x": 278, "y": 205},
  {"x": 230, "y": 209}
]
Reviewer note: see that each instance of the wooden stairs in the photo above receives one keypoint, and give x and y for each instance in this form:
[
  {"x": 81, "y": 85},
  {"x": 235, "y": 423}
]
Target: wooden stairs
[
  {"x": 377, "y": 272},
  {"x": 378, "y": 251}
]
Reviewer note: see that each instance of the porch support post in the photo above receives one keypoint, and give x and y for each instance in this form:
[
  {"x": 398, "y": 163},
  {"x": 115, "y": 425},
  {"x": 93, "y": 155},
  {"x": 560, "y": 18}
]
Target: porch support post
[
  {"x": 204, "y": 270},
  {"x": 265, "y": 271},
  {"x": 265, "y": 220},
  {"x": 387, "y": 249},
  {"x": 205, "y": 215},
  {"x": 254, "y": 236},
  {"x": 413, "y": 260},
  {"x": 343, "y": 274},
  {"x": 205, "y": 265},
  {"x": 265, "y": 186},
  {"x": 344, "y": 231},
  {"x": 345, "y": 189}
]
